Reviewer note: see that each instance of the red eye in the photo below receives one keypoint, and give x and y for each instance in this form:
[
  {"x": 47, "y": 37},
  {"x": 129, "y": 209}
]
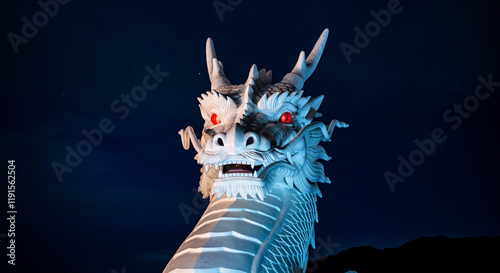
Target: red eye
[
  {"x": 214, "y": 119},
  {"x": 286, "y": 118}
]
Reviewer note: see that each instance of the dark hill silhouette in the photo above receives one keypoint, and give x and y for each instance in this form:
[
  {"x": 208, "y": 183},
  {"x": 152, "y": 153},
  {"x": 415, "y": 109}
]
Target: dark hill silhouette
[{"x": 426, "y": 254}]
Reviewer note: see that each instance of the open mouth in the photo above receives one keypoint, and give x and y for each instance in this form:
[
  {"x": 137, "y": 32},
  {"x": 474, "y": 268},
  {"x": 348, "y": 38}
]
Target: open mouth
[
  {"x": 239, "y": 168},
  {"x": 231, "y": 169}
]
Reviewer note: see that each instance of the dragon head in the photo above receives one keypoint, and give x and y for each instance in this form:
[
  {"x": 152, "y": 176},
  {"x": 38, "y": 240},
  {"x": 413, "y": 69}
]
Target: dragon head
[{"x": 258, "y": 134}]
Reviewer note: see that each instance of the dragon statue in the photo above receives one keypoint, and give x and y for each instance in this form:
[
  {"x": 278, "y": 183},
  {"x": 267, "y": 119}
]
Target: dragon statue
[{"x": 259, "y": 150}]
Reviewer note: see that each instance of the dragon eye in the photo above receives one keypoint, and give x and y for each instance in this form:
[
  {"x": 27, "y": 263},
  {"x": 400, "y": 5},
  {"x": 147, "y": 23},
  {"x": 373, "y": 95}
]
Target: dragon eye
[
  {"x": 286, "y": 118},
  {"x": 215, "y": 119}
]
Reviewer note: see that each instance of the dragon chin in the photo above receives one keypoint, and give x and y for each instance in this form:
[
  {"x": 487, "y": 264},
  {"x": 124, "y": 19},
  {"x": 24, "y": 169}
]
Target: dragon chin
[{"x": 253, "y": 186}]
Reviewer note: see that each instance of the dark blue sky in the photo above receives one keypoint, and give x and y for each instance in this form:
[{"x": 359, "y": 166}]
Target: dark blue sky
[{"x": 119, "y": 207}]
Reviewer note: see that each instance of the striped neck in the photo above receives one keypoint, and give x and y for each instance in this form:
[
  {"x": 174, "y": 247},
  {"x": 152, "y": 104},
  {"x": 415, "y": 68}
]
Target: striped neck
[{"x": 250, "y": 235}]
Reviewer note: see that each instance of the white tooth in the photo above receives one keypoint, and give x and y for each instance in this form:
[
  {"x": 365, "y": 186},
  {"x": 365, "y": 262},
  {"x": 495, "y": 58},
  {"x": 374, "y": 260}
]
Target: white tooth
[
  {"x": 264, "y": 163},
  {"x": 252, "y": 164},
  {"x": 255, "y": 173}
]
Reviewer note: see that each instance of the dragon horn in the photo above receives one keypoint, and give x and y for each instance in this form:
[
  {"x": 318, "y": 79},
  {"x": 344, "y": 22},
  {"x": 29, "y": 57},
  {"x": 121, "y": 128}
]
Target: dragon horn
[
  {"x": 305, "y": 67},
  {"x": 215, "y": 68}
]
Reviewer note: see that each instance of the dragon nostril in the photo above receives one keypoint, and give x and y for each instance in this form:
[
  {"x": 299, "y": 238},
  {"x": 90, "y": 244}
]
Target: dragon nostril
[
  {"x": 250, "y": 141},
  {"x": 220, "y": 142}
]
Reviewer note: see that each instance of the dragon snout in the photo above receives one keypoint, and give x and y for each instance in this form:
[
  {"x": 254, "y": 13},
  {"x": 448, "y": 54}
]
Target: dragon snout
[{"x": 236, "y": 142}]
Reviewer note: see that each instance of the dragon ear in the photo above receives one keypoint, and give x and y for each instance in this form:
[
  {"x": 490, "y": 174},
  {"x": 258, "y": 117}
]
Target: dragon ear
[{"x": 310, "y": 109}]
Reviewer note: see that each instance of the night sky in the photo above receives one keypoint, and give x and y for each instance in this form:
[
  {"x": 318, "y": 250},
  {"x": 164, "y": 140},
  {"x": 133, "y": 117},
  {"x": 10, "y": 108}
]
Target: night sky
[{"x": 429, "y": 74}]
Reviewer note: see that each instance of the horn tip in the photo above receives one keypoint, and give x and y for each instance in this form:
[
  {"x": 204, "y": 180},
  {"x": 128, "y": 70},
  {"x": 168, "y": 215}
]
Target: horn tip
[
  {"x": 210, "y": 42},
  {"x": 255, "y": 71}
]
